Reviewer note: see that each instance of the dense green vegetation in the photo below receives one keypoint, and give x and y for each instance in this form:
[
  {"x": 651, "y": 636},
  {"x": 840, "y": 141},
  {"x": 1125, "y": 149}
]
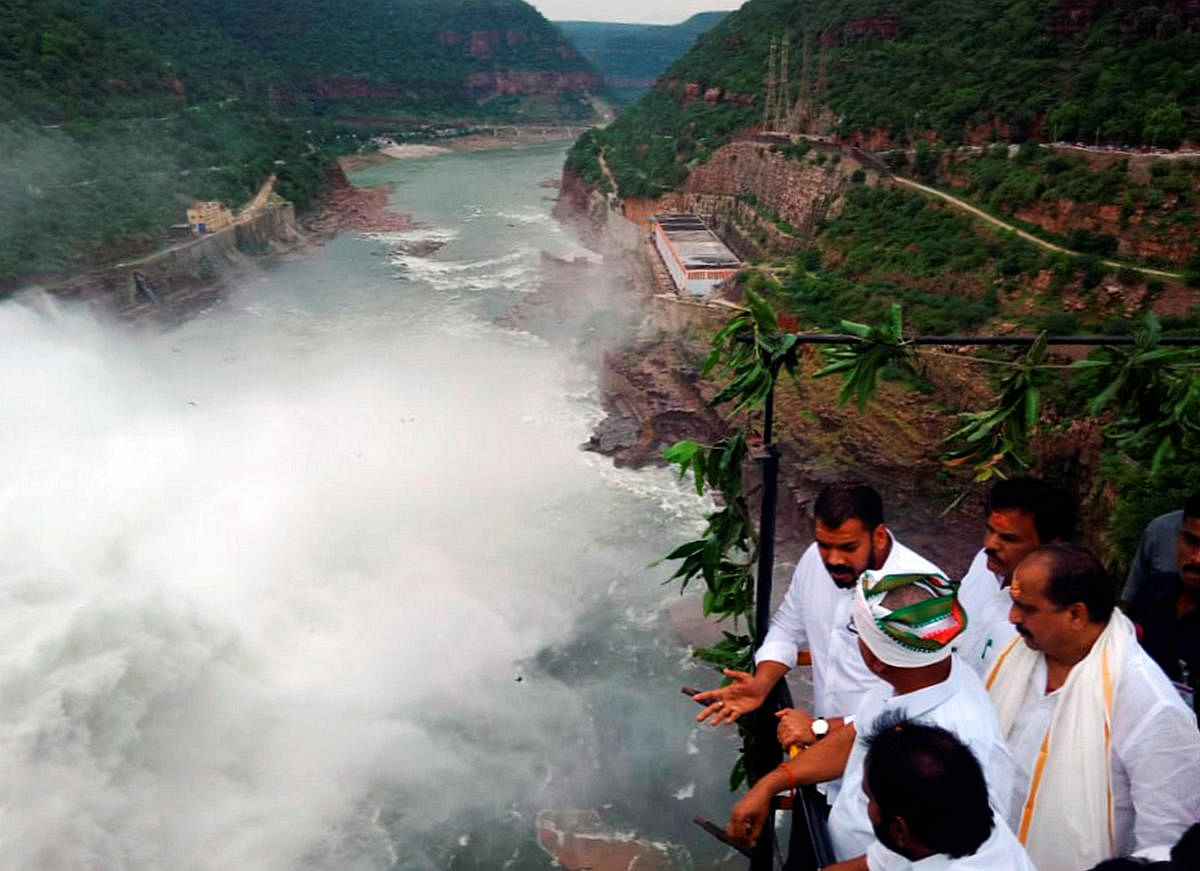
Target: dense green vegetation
[
  {"x": 632, "y": 56},
  {"x": 116, "y": 114},
  {"x": 1007, "y": 184},
  {"x": 118, "y": 185},
  {"x": 100, "y": 153},
  {"x": 889, "y": 246},
  {"x": 1129, "y": 75},
  {"x": 420, "y": 53},
  {"x": 951, "y": 274}
]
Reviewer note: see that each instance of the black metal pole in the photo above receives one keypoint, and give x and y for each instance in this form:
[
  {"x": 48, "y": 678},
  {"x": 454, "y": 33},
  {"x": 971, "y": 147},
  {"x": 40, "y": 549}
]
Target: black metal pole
[
  {"x": 766, "y": 523},
  {"x": 764, "y": 752},
  {"x": 1018, "y": 341}
]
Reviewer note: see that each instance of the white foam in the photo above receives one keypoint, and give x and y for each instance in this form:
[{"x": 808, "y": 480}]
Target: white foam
[{"x": 239, "y": 572}]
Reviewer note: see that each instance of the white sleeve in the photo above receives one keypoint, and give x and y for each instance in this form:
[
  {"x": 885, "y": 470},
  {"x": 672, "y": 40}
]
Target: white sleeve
[
  {"x": 880, "y": 858},
  {"x": 1162, "y": 760},
  {"x": 787, "y": 633}
]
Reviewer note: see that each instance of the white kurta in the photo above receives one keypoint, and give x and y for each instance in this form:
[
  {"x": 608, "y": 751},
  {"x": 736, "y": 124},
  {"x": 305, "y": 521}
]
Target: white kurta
[
  {"x": 987, "y": 605},
  {"x": 1155, "y": 753},
  {"x": 1000, "y": 852},
  {"x": 817, "y": 613},
  {"x": 959, "y": 704}
]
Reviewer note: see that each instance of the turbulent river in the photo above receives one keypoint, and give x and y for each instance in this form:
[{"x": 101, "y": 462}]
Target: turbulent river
[{"x": 320, "y": 578}]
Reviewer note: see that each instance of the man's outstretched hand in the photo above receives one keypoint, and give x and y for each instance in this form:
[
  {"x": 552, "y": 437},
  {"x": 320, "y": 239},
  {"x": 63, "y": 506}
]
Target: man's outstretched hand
[{"x": 725, "y": 704}]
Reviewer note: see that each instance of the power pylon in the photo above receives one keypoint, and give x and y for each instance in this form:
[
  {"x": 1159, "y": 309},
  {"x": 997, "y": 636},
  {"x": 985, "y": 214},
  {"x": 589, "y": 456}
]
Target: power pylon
[{"x": 772, "y": 85}]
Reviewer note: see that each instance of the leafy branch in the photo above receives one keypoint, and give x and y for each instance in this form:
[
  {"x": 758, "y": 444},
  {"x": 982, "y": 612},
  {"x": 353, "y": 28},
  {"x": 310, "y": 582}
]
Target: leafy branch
[
  {"x": 998, "y": 439},
  {"x": 749, "y": 352},
  {"x": 1154, "y": 394},
  {"x": 860, "y": 362}
]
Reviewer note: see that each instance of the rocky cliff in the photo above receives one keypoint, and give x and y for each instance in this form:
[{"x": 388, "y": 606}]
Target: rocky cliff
[
  {"x": 188, "y": 275},
  {"x": 655, "y": 396}
]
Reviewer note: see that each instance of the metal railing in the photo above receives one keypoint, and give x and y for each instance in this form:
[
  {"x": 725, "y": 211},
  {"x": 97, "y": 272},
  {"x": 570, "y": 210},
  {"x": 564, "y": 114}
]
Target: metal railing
[{"x": 808, "y": 846}]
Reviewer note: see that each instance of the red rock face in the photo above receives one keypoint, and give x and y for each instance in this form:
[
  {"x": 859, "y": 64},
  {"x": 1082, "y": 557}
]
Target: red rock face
[
  {"x": 178, "y": 88},
  {"x": 1072, "y": 16},
  {"x": 527, "y": 82},
  {"x": 792, "y": 189},
  {"x": 981, "y": 134},
  {"x": 712, "y": 96},
  {"x": 1137, "y": 238},
  {"x": 1140, "y": 21},
  {"x": 869, "y": 140},
  {"x": 886, "y": 26},
  {"x": 480, "y": 45},
  {"x": 626, "y": 82},
  {"x": 692, "y": 90},
  {"x": 450, "y": 37}
]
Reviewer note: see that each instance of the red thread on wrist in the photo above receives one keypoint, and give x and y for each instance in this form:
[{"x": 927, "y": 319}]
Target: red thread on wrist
[{"x": 787, "y": 772}]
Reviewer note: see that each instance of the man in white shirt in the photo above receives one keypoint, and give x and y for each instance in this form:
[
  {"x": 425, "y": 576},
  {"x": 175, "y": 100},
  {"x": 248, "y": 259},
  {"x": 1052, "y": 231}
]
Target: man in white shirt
[
  {"x": 928, "y": 804},
  {"x": 1107, "y": 755},
  {"x": 905, "y": 624},
  {"x": 1021, "y": 515},
  {"x": 851, "y": 538}
]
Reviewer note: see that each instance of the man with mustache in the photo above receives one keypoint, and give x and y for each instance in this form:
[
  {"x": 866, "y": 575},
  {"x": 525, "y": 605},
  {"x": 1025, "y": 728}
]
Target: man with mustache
[
  {"x": 850, "y": 538},
  {"x": 1107, "y": 755},
  {"x": 1021, "y": 515},
  {"x": 905, "y": 624},
  {"x": 1162, "y": 595}
]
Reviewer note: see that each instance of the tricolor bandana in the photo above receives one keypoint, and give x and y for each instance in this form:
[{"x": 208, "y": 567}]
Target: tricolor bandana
[{"x": 913, "y": 635}]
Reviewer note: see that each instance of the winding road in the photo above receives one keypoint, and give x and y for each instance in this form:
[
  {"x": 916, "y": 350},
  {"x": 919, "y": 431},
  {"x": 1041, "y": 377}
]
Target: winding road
[{"x": 1029, "y": 237}]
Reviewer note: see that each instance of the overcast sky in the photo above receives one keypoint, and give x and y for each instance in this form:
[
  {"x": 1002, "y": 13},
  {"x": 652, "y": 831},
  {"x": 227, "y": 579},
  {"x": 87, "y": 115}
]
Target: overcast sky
[{"x": 640, "y": 11}]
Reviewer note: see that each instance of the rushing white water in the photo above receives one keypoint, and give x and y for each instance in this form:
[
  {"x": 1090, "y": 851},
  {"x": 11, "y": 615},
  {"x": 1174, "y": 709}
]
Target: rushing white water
[{"x": 320, "y": 579}]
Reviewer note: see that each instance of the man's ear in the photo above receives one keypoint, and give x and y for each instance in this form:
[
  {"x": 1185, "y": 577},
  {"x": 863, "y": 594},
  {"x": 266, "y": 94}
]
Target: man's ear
[
  {"x": 898, "y": 829},
  {"x": 1079, "y": 614},
  {"x": 879, "y": 538}
]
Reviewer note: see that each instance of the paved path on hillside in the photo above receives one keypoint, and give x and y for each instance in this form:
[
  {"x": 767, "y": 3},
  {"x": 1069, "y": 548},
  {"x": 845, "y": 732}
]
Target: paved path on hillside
[{"x": 979, "y": 213}]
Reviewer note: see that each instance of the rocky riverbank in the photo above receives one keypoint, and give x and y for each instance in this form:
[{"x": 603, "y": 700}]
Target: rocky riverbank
[
  {"x": 654, "y": 396},
  {"x": 346, "y": 208}
]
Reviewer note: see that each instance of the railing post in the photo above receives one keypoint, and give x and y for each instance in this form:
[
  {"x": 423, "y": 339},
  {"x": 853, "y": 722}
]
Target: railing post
[{"x": 764, "y": 752}]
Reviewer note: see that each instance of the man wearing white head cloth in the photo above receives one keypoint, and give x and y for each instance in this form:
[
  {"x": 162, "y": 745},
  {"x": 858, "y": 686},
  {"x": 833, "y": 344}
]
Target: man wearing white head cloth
[{"x": 905, "y": 624}]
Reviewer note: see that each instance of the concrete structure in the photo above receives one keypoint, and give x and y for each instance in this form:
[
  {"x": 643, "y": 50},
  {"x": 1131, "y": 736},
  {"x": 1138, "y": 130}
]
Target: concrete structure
[
  {"x": 209, "y": 217},
  {"x": 697, "y": 260}
]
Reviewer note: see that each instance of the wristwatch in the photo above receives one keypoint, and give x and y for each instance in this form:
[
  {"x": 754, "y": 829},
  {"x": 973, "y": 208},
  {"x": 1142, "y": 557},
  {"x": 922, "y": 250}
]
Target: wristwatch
[{"x": 820, "y": 727}]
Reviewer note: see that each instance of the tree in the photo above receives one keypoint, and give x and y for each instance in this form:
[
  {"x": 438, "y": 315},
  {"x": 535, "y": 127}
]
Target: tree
[{"x": 1163, "y": 125}]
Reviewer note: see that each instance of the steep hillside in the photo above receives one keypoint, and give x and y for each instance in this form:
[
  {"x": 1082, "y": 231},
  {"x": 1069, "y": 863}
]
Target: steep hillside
[
  {"x": 104, "y": 146},
  {"x": 883, "y": 72},
  {"x": 428, "y": 55},
  {"x": 631, "y": 57},
  {"x": 116, "y": 114}
]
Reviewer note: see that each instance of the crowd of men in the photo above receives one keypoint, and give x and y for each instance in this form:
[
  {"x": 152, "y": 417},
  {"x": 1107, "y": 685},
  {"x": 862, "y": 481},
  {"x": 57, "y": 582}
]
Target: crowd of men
[{"x": 1016, "y": 719}]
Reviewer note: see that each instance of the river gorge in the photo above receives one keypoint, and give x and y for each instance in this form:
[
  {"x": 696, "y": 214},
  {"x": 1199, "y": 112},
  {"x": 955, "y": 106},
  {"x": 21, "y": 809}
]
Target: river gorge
[{"x": 320, "y": 578}]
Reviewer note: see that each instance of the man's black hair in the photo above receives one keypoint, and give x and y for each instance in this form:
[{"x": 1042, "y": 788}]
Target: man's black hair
[
  {"x": 1185, "y": 855},
  {"x": 1053, "y": 514},
  {"x": 930, "y": 779},
  {"x": 1191, "y": 508},
  {"x": 840, "y": 502},
  {"x": 1130, "y": 863},
  {"x": 1077, "y": 576}
]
